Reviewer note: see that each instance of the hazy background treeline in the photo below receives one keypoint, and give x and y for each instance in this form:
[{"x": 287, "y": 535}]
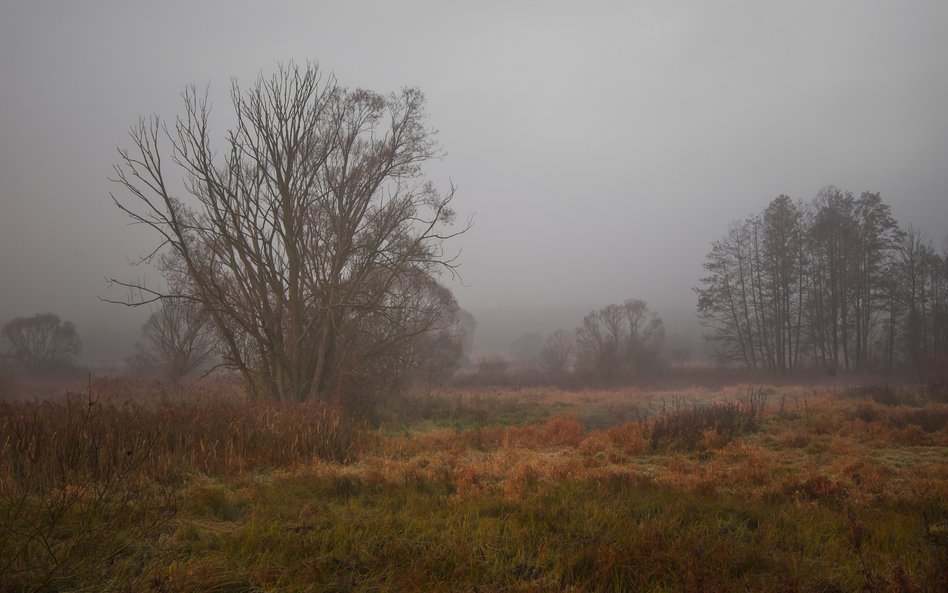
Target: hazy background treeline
[{"x": 834, "y": 284}]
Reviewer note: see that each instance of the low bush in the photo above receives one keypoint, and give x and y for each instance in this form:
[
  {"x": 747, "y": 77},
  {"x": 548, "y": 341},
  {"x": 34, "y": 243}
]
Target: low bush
[
  {"x": 84, "y": 480},
  {"x": 686, "y": 427},
  {"x": 75, "y": 493}
]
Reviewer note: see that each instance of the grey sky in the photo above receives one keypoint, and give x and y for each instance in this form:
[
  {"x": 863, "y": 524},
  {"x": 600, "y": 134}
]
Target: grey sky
[{"x": 601, "y": 146}]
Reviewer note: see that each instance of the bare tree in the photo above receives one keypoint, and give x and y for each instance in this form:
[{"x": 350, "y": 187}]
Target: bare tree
[
  {"x": 307, "y": 229},
  {"x": 835, "y": 284},
  {"x": 435, "y": 340},
  {"x": 621, "y": 340},
  {"x": 783, "y": 260},
  {"x": 834, "y": 247},
  {"x": 916, "y": 258},
  {"x": 725, "y": 303},
  {"x": 177, "y": 339},
  {"x": 557, "y": 350},
  {"x": 41, "y": 342},
  {"x": 878, "y": 237}
]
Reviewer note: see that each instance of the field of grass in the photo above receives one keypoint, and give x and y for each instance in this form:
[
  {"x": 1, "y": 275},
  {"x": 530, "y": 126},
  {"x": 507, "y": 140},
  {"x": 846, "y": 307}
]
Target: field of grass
[{"x": 746, "y": 488}]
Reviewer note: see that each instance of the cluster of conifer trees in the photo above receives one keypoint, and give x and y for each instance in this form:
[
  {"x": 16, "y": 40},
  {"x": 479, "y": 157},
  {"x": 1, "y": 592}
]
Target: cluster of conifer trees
[{"x": 833, "y": 284}]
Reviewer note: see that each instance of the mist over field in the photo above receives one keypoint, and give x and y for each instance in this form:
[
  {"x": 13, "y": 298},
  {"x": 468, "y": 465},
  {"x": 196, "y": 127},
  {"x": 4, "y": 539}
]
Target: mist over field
[
  {"x": 516, "y": 296},
  {"x": 599, "y": 150}
]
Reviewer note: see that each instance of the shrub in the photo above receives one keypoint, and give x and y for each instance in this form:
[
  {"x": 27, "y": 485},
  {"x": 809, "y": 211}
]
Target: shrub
[
  {"x": 885, "y": 395},
  {"x": 929, "y": 419},
  {"x": 555, "y": 432},
  {"x": 84, "y": 479},
  {"x": 687, "y": 427},
  {"x": 74, "y": 496},
  {"x": 631, "y": 437}
]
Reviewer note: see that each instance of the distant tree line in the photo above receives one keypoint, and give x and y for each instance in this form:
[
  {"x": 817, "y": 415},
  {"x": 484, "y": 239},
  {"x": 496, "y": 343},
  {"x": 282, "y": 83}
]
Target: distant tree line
[
  {"x": 616, "y": 343},
  {"x": 834, "y": 284}
]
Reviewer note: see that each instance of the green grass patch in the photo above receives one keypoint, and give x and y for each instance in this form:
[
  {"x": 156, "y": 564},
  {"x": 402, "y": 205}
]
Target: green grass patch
[{"x": 302, "y": 533}]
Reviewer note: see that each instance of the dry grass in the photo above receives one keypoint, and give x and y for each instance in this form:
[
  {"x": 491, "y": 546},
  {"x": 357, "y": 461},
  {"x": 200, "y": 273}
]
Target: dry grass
[
  {"x": 86, "y": 479},
  {"x": 749, "y": 488}
]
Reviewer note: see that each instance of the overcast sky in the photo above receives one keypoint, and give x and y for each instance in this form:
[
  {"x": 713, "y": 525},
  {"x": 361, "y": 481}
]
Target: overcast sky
[{"x": 600, "y": 146}]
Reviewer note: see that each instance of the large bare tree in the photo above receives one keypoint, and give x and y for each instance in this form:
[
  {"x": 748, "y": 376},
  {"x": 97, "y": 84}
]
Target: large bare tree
[{"x": 301, "y": 230}]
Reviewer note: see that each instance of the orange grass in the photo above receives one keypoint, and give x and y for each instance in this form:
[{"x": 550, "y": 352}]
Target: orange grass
[{"x": 796, "y": 448}]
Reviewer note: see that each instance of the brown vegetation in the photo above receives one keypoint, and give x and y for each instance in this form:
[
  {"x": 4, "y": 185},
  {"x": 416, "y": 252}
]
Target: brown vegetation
[{"x": 755, "y": 488}]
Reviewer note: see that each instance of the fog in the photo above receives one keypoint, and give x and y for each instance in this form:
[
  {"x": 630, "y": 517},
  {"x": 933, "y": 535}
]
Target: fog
[{"x": 599, "y": 148}]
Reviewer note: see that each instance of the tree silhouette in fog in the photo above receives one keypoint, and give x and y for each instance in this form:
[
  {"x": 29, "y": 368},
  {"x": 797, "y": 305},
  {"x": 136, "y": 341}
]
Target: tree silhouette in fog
[
  {"x": 41, "y": 342},
  {"x": 309, "y": 236}
]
